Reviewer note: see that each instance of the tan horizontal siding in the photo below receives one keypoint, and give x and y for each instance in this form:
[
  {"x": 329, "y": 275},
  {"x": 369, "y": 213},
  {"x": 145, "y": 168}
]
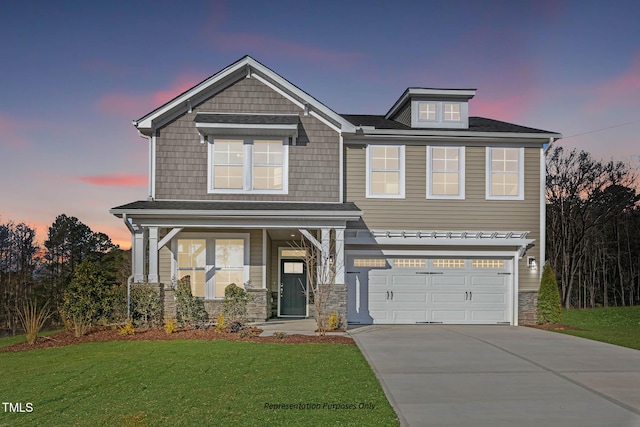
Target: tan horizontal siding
[
  {"x": 416, "y": 212},
  {"x": 181, "y": 161}
]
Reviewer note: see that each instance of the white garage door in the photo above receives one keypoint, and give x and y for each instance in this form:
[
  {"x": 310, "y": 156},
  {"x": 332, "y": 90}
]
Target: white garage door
[{"x": 397, "y": 291}]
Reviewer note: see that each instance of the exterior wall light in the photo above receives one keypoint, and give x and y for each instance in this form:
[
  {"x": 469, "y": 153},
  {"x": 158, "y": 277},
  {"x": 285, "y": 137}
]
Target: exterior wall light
[{"x": 531, "y": 263}]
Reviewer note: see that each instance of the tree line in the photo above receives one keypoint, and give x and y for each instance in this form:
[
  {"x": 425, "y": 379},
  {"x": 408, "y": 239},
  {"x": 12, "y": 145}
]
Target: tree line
[
  {"x": 593, "y": 229},
  {"x": 30, "y": 272}
]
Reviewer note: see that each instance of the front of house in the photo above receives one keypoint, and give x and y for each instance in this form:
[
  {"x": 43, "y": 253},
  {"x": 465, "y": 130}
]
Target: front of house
[{"x": 428, "y": 215}]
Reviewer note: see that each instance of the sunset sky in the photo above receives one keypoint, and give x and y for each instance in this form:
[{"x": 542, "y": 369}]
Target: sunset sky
[{"x": 73, "y": 76}]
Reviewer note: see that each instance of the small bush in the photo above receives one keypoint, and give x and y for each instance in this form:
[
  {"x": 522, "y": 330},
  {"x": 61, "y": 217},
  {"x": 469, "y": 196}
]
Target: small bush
[
  {"x": 235, "y": 302},
  {"x": 280, "y": 335},
  {"x": 246, "y": 333},
  {"x": 334, "y": 321},
  {"x": 190, "y": 309},
  {"x": 220, "y": 323},
  {"x": 127, "y": 329},
  {"x": 33, "y": 318},
  {"x": 235, "y": 327},
  {"x": 170, "y": 326},
  {"x": 146, "y": 309},
  {"x": 549, "y": 308}
]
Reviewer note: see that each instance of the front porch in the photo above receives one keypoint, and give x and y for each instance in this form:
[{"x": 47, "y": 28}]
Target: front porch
[{"x": 265, "y": 251}]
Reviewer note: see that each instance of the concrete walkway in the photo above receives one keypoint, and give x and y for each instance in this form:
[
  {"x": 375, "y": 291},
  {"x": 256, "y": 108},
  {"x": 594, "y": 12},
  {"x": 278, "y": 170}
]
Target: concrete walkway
[
  {"x": 290, "y": 326},
  {"x": 502, "y": 376}
]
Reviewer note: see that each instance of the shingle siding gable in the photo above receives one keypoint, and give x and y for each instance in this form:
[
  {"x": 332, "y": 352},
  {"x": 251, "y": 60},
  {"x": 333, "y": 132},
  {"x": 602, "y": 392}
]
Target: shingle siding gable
[{"x": 181, "y": 161}]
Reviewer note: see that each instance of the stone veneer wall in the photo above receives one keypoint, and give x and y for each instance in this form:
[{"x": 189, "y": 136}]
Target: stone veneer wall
[
  {"x": 527, "y": 307},
  {"x": 337, "y": 302},
  {"x": 256, "y": 308}
]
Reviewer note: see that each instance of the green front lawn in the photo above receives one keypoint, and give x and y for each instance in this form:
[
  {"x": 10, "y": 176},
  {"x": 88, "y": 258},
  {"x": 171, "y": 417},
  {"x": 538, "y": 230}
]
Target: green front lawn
[
  {"x": 189, "y": 383},
  {"x": 615, "y": 325}
]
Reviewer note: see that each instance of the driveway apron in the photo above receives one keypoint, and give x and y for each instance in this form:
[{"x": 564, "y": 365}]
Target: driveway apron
[{"x": 475, "y": 376}]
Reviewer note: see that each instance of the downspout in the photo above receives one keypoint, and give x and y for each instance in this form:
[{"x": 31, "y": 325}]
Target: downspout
[{"x": 151, "y": 140}]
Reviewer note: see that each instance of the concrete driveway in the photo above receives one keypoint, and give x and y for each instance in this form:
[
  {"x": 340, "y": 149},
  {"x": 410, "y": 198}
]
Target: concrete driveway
[{"x": 502, "y": 376}]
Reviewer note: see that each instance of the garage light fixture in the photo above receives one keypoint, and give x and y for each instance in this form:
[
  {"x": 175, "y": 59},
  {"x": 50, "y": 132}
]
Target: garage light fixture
[{"x": 531, "y": 263}]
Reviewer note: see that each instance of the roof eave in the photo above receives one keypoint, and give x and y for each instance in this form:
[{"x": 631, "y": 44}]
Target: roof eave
[{"x": 400, "y": 133}]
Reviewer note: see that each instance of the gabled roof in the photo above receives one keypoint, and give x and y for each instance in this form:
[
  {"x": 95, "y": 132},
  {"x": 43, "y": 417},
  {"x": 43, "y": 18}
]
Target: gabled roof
[{"x": 242, "y": 68}]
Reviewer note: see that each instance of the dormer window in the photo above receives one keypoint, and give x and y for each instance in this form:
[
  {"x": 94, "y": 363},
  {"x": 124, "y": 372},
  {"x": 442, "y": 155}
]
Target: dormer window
[
  {"x": 451, "y": 112},
  {"x": 427, "y": 111}
]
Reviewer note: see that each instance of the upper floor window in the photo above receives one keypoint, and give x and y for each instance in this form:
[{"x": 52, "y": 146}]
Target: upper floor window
[
  {"x": 248, "y": 165},
  {"x": 427, "y": 112},
  {"x": 445, "y": 172},
  {"x": 385, "y": 171},
  {"x": 505, "y": 173},
  {"x": 451, "y": 112}
]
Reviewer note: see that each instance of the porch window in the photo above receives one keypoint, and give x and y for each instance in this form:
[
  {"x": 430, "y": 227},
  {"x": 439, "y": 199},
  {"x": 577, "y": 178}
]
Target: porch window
[
  {"x": 505, "y": 173},
  {"x": 445, "y": 172},
  {"x": 229, "y": 264},
  {"x": 192, "y": 260},
  {"x": 385, "y": 171},
  {"x": 248, "y": 165}
]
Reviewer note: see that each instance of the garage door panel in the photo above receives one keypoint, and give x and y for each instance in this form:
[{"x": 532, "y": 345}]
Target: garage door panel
[
  {"x": 448, "y": 316},
  {"x": 480, "y": 281},
  {"x": 409, "y": 280},
  {"x": 448, "y": 280},
  {"x": 488, "y": 316},
  {"x": 447, "y": 298},
  {"x": 409, "y": 299},
  {"x": 410, "y": 316},
  {"x": 499, "y": 298}
]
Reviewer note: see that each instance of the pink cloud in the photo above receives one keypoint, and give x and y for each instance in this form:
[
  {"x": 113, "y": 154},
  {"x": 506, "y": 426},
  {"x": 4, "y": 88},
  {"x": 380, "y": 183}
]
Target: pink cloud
[
  {"x": 136, "y": 105},
  {"x": 623, "y": 89},
  {"x": 265, "y": 45},
  {"x": 122, "y": 180},
  {"x": 509, "y": 108},
  {"x": 10, "y": 134}
]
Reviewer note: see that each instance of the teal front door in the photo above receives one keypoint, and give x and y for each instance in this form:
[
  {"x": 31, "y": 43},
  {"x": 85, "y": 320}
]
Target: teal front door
[{"x": 293, "y": 288}]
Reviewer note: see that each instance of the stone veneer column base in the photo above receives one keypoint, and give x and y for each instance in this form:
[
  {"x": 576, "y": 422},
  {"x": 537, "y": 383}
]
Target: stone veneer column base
[
  {"x": 256, "y": 308},
  {"x": 527, "y": 307}
]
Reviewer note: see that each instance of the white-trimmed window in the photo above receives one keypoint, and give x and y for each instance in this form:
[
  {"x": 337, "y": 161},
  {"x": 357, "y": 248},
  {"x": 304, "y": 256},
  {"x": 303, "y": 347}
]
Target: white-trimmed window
[
  {"x": 445, "y": 172},
  {"x": 427, "y": 111},
  {"x": 451, "y": 112},
  {"x": 505, "y": 173},
  {"x": 385, "y": 171},
  {"x": 192, "y": 262},
  {"x": 248, "y": 165},
  {"x": 212, "y": 261}
]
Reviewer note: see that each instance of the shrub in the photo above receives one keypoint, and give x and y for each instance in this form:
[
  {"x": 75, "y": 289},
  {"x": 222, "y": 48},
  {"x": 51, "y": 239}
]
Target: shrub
[
  {"x": 549, "y": 309},
  {"x": 127, "y": 329},
  {"x": 170, "y": 326},
  {"x": 246, "y": 333},
  {"x": 235, "y": 327},
  {"x": 33, "y": 318},
  {"x": 82, "y": 305},
  {"x": 334, "y": 321},
  {"x": 146, "y": 309},
  {"x": 280, "y": 335},
  {"x": 235, "y": 302},
  {"x": 220, "y": 324},
  {"x": 190, "y": 309}
]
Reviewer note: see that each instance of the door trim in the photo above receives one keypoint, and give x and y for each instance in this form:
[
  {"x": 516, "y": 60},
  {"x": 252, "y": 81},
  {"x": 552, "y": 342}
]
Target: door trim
[{"x": 280, "y": 258}]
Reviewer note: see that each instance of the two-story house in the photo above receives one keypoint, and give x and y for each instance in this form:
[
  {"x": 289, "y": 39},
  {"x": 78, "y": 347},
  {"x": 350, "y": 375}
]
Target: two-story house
[{"x": 429, "y": 214}]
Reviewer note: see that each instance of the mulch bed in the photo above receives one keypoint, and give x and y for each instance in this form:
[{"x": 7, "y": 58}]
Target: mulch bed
[{"x": 105, "y": 333}]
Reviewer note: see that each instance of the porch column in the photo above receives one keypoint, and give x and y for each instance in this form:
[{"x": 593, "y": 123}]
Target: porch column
[
  {"x": 339, "y": 256},
  {"x": 137, "y": 254},
  {"x": 325, "y": 243},
  {"x": 153, "y": 254}
]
